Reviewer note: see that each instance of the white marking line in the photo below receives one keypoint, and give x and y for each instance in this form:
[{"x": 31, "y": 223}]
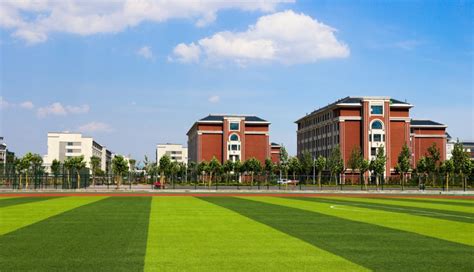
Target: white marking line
[{"x": 336, "y": 207}]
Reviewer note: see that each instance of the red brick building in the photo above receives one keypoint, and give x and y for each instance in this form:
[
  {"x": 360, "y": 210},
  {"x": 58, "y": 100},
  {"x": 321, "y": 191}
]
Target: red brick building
[
  {"x": 368, "y": 123},
  {"x": 231, "y": 137}
]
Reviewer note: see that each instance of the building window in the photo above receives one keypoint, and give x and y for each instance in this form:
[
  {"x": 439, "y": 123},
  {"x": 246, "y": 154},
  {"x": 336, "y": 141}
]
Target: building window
[
  {"x": 373, "y": 151},
  {"x": 377, "y": 138},
  {"x": 376, "y": 109},
  {"x": 69, "y": 151},
  {"x": 234, "y": 137},
  {"x": 377, "y": 125},
  {"x": 234, "y": 126},
  {"x": 70, "y": 143},
  {"x": 370, "y": 137}
]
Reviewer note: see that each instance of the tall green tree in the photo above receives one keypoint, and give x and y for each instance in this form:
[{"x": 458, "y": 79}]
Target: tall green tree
[
  {"x": 403, "y": 164},
  {"x": 78, "y": 164},
  {"x": 68, "y": 164},
  {"x": 214, "y": 168},
  {"x": 377, "y": 165},
  {"x": 119, "y": 167},
  {"x": 252, "y": 166},
  {"x": 320, "y": 165},
  {"x": 461, "y": 161},
  {"x": 335, "y": 162},
  {"x": 94, "y": 165},
  {"x": 284, "y": 161},
  {"x": 421, "y": 169},
  {"x": 203, "y": 168},
  {"x": 228, "y": 167}
]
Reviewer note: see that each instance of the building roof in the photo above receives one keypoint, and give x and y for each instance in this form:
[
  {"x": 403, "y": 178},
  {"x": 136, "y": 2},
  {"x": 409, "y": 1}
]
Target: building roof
[
  {"x": 220, "y": 117},
  {"x": 425, "y": 123},
  {"x": 356, "y": 101},
  {"x": 275, "y": 144}
]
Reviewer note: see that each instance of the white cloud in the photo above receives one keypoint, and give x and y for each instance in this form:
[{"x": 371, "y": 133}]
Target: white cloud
[
  {"x": 95, "y": 127},
  {"x": 285, "y": 37},
  {"x": 145, "y": 52},
  {"x": 214, "y": 99},
  {"x": 186, "y": 53},
  {"x": 3, "y": 103},
  {"x": 33, "y": 21},
  {"x": 58, "y": 109},
  {"x": 78, "y": 109},
  {"x": 27, "y": 105}
]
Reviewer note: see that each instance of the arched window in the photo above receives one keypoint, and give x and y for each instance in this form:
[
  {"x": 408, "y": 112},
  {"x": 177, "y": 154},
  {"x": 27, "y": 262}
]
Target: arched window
[
  {"x": 377, "y": 125},
  {"x": 234, "y": 137}
]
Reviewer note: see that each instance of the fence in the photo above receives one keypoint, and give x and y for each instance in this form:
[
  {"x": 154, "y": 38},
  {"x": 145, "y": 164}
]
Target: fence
[{"x": 236, "y": 182}]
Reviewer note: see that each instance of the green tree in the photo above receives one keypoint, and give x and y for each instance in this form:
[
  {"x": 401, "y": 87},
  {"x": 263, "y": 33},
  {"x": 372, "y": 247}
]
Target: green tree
[
  {"x": 56, "y": 169},
  {"x": 78, "y": 164},
  {"x": 119, "y": 167},
  {"x": 335, "y": 162},
  {"x": 364, "y": 167},
  {"x": 461, "y": 161},
  {"x": 355, "y": 160},
  {"x": 306, "y": 163},
  {"x": 284, "y": 161},
  {"x": 203, "y": 169},
  {"x": 252, "y": 166},
  {"x": 378, "y": 165},
  {"x": 421, "y": 169},
  {"x": 213, "y": 168},
  {"x": 432, "y": 162},
  {"x": 228, "y": 167},
  {"x": 320, "y": 165},
  {"x": 68, "y": 164},
  {"x": 447, "y": 168},
  {"x": 403, "y": 164},
  {"x": 269, "y": 168},
  {"x": 164, "y": 167},
  {"x": 294, "y": 166},
  {"x": 94, "y": 165}
]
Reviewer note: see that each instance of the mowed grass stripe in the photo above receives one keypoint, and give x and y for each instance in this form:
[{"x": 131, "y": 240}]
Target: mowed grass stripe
[
  {"x": 442, "y": 201},
  {"x": 21, "y": 215},
  {"x": 458, "y": 232},
  {"x": 371, "y": 246},
  {"x": 108, "y": 235},
  {"x": 412, "y": 204},
  {"x": 188, "y": 234},
  {"x": 392, "y": 207},
  {"x": 20, "y": 200}
]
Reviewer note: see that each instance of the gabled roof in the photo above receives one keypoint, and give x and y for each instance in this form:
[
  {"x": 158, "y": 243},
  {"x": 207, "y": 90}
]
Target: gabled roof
[
  {"x": 425, "y": 123},
  {"x": 248, "y": 118}
]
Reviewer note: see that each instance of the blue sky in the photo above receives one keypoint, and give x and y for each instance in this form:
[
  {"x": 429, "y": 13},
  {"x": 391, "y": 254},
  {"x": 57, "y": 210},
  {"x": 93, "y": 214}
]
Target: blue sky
[{"x": 133, "y": 76}]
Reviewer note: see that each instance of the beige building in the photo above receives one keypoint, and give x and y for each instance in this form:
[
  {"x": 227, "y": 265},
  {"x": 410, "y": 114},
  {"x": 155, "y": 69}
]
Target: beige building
[
  {"x": 175, "y": 151},
  {"x": 63, "y": 145}
]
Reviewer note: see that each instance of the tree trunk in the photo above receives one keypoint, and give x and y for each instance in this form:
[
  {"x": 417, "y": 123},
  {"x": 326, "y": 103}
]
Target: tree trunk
[
  {"x": 26, "y": 181},
  {"x": 377, "y": 181},
  {"x": 447, "y": 182},
  {"x": 319, "y": 180},
  {"x": 78, "y": 180}
]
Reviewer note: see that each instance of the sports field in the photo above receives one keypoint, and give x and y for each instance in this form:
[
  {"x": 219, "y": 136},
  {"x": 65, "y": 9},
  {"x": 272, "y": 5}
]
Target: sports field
[{"x": 235, "y": 233}]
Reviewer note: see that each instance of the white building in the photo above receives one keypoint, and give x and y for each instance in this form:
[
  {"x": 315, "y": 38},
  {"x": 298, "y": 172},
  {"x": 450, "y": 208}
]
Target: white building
[
  {"x": 63, "y": 145},
  {"x": 175, "y": 151}
]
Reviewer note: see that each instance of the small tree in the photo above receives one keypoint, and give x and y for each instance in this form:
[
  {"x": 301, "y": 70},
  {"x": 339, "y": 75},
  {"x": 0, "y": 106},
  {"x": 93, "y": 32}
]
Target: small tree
[
  {"x": 78, "y": 164},
  {"x": 164, "y": 167},
  {"x": 202, "y": 169},
  {"x": 403, "y": 164},
  {"x": 269, "y": 167},
  {"x": 228, "y": 167},
  {"x": 119, "y": 167},
  {"x": 421, "y": 169},
  {"x": 355, "y": 160},
  {"x": 320, "y": 165},
  {"x": 306, "y": 163},
  {"x": 432, "y": 162},
  {"x": 294, "y": 166},
  {"x": 252, "y": 166},
  {"x": 461, "y": 161},
  {"x": 335, "y": 162},
  {"x": 447, "y": 168},
  {"x": 364, "y": 167},
  {"x": 95, "y": 166},
  {"x": 68, "y": 164},
  {"x": 378, "y": 165},
  {"x": 284, "y": 160},
  {"x": 214, "y": 167}
]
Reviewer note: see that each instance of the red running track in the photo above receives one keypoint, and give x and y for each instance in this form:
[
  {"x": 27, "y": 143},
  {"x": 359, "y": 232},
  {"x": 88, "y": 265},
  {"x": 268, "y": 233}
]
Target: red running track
[{"x": 470, "y": 197}]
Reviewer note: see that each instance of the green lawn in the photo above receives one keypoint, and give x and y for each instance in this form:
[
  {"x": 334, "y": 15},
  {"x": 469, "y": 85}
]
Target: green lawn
[{"x": 88, "y": 233}]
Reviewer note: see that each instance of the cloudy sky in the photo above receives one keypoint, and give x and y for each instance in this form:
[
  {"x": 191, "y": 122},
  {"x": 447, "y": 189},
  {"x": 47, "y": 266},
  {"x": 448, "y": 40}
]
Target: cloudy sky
[{"x": 136, "y": 73}]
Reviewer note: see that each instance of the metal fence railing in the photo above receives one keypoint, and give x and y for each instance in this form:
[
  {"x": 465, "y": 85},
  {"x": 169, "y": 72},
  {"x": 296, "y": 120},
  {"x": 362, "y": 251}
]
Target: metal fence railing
[{"x": 237, "y": 182}]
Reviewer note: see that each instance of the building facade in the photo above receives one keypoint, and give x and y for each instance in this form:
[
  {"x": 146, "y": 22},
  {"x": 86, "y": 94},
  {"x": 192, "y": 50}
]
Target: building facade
[
  {"x": 63, "y": 145},
  {"x": 6, "y": 156},
  {"x": 368, "y": 123},
  {"x": 229, "y": 137},
  {"x": 176, "y": 152}
]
